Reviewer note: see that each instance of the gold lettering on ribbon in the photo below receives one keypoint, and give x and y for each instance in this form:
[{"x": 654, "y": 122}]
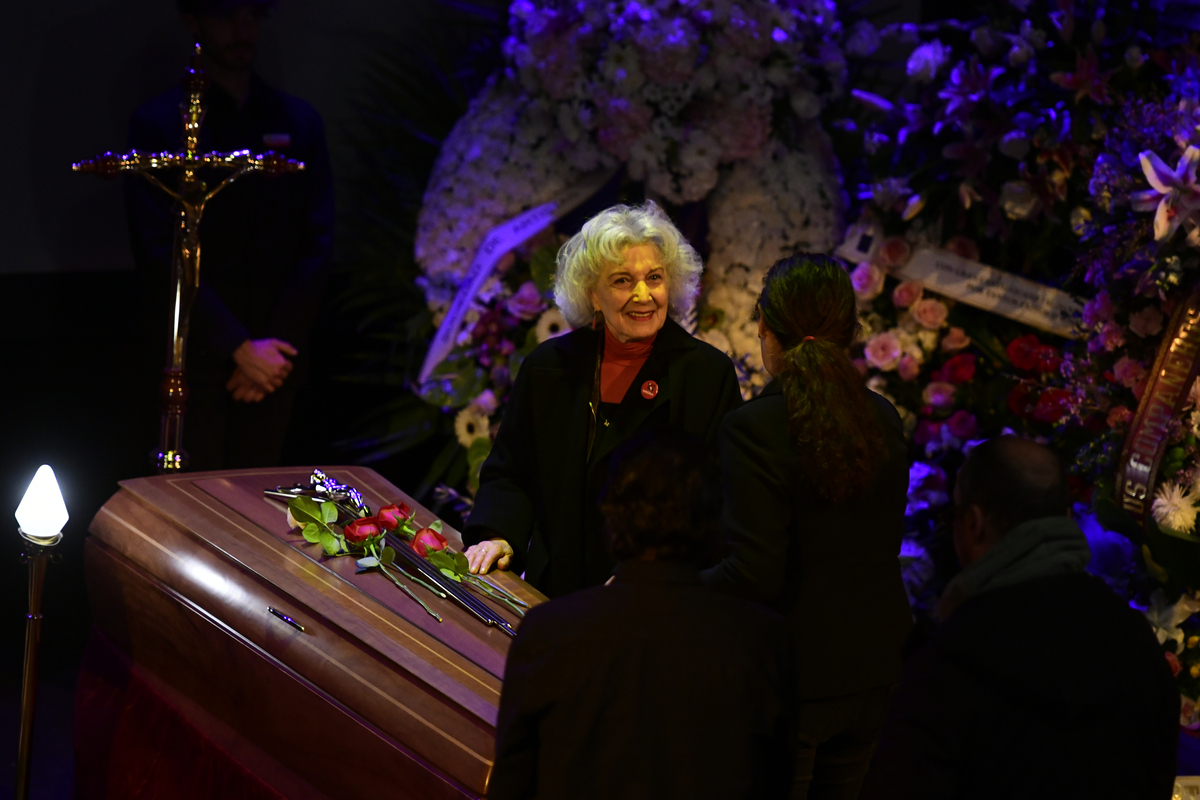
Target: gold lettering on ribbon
[{"x": 1175, "y": 368}]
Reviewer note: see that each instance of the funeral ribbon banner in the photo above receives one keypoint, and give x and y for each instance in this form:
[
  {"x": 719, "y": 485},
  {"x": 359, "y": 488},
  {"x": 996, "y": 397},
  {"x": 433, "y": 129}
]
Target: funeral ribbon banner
[
  {"x": 1175, "y": 369},
  {"x": 498, "y": 241},
  {"x": 995, "y": 290}
]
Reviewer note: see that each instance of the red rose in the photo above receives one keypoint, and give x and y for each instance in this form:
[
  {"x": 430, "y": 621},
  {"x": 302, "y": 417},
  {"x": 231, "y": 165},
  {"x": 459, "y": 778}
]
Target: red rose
[
  {"x": 926, "y": 432},
  {"x": 1020, "y": 399},
  {"x": 1052, "y": 405},
  {"x": 1173, "y": 660},
  {"x": 360, "y": 530},
  {"x": 1024, "y": 352},
  {"x": 960, "y": 368},
  {"x": 428, "y": 539},
  {"x": 390, "y": 517},
  {"x": 962, "y": 424}
]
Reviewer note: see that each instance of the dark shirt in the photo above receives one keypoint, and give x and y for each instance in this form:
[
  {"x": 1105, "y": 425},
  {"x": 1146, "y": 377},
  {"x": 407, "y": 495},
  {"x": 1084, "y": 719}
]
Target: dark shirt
[
  {"x": 539, "y": 487},
  {"x": 265, "y": 242},
  {"x": 1050, "y": 688},
  {"x": 831, "y": 569},
  {"x": 653, "y": 687}
]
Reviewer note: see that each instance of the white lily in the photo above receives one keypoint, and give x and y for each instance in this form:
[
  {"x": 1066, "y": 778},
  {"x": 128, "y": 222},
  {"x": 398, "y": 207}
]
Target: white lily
[
  {"x": 1174, "y": 196},
  {"x": 1166, "y": 618}
]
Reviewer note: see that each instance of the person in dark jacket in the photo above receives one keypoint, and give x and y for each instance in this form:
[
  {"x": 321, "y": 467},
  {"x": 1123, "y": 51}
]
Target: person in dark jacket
[
  {"x": 816, "y": 479},
  {"x": 627, "y": 367},
  {"x": 266, "y": 242},
  {"x": 1040, "y": 682},
  {"x": 652, "y": 687}
]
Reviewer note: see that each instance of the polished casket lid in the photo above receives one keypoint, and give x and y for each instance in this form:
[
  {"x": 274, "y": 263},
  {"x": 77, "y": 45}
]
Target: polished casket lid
[{"x": 214, "y": 540}]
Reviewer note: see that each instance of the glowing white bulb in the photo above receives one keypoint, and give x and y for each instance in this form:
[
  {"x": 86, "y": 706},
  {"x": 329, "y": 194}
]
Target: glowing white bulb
[{"x": 42, "y": 512}]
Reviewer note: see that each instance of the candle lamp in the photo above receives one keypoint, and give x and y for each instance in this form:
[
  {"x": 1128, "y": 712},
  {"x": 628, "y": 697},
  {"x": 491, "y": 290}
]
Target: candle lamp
[{"x": 41, "y": 516}]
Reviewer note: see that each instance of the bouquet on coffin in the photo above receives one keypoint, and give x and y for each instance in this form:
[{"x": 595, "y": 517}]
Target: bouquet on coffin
[{"x": 391, "y": 542}]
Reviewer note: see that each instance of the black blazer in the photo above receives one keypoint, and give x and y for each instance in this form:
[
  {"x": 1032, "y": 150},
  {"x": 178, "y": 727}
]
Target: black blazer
[
  {"x": 832, "y": 570},
  {"x": 654, "y": 687},
  {"x": 538, "y": 488}
]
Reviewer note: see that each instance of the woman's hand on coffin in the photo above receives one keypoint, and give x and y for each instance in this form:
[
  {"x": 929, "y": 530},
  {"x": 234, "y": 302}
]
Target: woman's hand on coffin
[
  {"x": 243, "y": 389},
  {"x": 483, "y": 556},
  {"x": 265, "y": 361}
]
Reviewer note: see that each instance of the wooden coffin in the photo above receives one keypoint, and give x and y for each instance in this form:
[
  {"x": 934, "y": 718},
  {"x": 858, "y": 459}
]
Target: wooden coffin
[{"x": 181, "y": 572}]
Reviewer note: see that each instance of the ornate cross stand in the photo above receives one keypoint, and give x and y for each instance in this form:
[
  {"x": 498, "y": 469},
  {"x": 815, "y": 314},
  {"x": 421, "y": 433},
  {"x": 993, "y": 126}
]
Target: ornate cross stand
[{"x": 190, "y": 199}]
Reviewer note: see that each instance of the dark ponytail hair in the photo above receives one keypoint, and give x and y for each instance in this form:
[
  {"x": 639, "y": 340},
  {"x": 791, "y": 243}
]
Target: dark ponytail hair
[{"x": 808, "y": 302}]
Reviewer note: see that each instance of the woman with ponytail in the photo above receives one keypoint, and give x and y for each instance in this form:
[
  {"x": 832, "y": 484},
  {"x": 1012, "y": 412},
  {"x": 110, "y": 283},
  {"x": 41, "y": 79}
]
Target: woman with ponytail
[{"x": 816, "y": 480}]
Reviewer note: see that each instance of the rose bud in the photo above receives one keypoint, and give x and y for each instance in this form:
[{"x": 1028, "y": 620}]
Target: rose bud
[
  {"x": 361, "y": 530},
  {"x": 428, "y": 539},
  {"x": 390, "y": 517}
]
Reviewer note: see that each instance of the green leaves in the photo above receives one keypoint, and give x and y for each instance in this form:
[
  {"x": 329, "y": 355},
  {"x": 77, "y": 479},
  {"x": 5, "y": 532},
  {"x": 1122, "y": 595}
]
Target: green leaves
[
  {"x": 477, "y": 453},
  {"x": 452, "y": 565},
  {"x": 389, "y": 555},
  {"x": 315, "y": 519},
  {"x": 543, "y": 266}
]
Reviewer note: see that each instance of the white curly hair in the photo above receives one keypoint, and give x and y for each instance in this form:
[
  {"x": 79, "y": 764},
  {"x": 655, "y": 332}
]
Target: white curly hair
[{"x": 603, "y": 240}]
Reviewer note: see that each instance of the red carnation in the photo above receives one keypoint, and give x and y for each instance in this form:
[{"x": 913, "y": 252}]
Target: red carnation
[
  {"x": 390, "y": 517},
  {"x": 428, "y": 539},
  {"x": 1047, "y": 359},
  {"x": 962, "y": 424},
  {"x": 960, "y": 369},
  {"x": 926, "y": 432},
  {"x": 1020, "y": 399},
  {"x": 1024, "y": 352},
  {"x": 1052, "y": 406},
  {"x": 361, "y": 530}
]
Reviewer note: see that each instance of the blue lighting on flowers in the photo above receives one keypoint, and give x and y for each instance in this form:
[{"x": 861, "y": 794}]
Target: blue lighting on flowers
[{"x": 779, "y": 35}]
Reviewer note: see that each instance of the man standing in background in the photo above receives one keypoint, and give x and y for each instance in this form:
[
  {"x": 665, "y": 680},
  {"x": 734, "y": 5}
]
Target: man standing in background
[{"x": 266, "y": 243}]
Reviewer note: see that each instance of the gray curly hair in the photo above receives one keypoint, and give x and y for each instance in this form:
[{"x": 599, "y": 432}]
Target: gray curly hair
[{"x": 603, "y": 239}]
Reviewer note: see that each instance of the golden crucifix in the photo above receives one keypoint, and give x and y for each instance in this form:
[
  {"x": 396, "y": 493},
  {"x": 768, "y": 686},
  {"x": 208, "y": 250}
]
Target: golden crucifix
[{"x": 190, "y": 199}]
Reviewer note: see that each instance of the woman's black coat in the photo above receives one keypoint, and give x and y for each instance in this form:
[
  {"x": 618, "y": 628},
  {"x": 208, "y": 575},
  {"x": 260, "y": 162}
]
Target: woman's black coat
[
  {"x": 538, "y": 489},
  {"x": 832, "y": 570}
]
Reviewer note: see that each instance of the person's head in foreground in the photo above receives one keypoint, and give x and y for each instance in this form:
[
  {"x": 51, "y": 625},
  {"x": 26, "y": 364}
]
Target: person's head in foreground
[
  {"x": 807, "y": 318},
  {"x": 631, "y": 264},
  {"x": 1005, "y": 482},
  {"x": 661, "y": 502}
]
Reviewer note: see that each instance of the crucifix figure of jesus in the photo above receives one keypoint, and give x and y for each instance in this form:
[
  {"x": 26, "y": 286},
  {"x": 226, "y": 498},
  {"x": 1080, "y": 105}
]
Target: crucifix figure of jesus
[{"x": 190, "y": 199}]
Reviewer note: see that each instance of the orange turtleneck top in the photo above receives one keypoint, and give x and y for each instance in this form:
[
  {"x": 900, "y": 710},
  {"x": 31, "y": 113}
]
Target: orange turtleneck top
[{"x": 620, "y": 366}]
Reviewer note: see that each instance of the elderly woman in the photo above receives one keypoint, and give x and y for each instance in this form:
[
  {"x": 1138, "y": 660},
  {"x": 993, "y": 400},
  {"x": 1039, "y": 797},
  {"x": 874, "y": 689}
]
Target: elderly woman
[{"x": 626, "y": 367}]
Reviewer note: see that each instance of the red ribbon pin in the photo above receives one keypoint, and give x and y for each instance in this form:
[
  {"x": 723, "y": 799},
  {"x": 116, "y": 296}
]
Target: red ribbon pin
[{"x": 649, "y": 390}]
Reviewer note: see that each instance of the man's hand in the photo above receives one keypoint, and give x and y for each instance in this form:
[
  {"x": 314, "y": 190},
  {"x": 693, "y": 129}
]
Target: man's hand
[
  {"x": 481, "y": 557},
  {"x": 264, "y": 362},
  {"x": 243, "y": 389}
]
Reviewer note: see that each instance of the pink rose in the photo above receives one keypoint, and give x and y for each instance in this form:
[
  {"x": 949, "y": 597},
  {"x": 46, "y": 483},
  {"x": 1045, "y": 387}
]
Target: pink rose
[
  {"x": 964, "y": 247},
  {"x": 962, "y": 424},
  {"x": 1147, "y": 322},
  {"x": 929, "y": 313},
  {"x": 883, "y": 351},
  {"x": 1112, "y": 336},
  {"x": 1118, "y": 416},
  {"x": 1128, "y": 372},
  {"x": 894, "y": 252},
  {"x": 867, "y": 280},
  {"x": 939, "y": 394},
  {"x": 907, "y": 293},
  {"x": 908, "y": 368},
  {"x": 955, "y": 340},
  {"x": 1099, "y": 309},
  {"x": 391, "y": 516},
  {"x": 526, "y": 302}
]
